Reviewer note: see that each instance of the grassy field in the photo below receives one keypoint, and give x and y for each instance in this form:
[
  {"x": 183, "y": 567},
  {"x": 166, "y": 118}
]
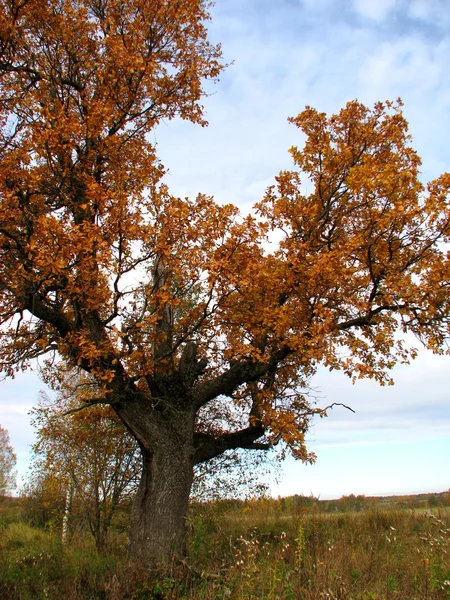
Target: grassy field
[{"x": 250, "y": 550}]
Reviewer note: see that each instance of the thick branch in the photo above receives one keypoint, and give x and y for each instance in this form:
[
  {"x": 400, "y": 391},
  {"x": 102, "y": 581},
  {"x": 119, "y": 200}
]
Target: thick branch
[
  {"x": 367, "y": 320},
  {"x": 189, "y": 367},
  {"x": 239, "y": 373},
  {"x": 208, "y": 446},
  {"x": 37, "y": 307}
]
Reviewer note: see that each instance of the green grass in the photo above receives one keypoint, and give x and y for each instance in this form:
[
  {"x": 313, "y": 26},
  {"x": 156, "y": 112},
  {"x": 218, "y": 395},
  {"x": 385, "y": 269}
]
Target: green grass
[{"x": 244, "y": 552}]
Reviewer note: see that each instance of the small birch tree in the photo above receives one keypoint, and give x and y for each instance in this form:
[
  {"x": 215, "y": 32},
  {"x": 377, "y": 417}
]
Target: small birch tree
[
  {"x": 87, "y": 454},
  {"x": 7, "y": 463}
]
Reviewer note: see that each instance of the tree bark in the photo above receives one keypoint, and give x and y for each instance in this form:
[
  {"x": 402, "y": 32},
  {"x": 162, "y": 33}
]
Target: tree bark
[
  {"x": 164, "y": 428},
  {"x": 158, "y": 520},
  {"x": 67, "y": 507}
]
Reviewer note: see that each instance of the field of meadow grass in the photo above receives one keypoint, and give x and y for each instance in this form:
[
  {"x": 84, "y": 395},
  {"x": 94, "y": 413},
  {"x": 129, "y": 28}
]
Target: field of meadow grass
[{"x": 261, "y": 549}]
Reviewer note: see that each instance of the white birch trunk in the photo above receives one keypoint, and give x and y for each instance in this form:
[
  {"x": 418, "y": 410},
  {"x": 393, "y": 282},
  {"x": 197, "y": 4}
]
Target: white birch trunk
[{"x": 65, "y": 523}]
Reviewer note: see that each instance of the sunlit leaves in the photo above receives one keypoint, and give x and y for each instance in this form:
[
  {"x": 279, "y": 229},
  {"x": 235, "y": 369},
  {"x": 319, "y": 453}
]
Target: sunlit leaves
[
  {"x": 82, "y": 85},
  {"x": 361, "y": 237}
]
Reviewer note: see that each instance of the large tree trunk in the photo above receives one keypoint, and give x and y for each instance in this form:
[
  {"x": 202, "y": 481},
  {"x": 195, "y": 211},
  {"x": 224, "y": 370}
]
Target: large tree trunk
[{"x": 158, "y": 521}]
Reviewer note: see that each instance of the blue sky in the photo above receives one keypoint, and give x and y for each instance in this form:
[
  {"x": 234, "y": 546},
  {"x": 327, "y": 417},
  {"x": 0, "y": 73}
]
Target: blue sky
[{"x": 285, "y": 55}]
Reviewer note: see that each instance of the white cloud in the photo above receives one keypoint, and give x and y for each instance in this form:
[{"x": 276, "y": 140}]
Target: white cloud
[
  {"x": 434, "y": 12},
  {"x": 396, "y": 411},
  {"x": 419, "y": 9},
  {"x": 400, "y": 65},
  {"x": 378, "y": 10}
]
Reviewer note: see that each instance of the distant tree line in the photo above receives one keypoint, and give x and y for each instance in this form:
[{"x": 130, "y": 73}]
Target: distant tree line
[{"x": 299, "y": 504}]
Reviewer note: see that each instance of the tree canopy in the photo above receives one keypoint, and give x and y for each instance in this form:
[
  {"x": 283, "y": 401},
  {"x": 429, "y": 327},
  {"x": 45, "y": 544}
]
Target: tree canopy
[{"x": 200, "y": 338}]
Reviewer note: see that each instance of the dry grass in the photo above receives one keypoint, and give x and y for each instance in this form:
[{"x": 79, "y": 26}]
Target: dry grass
[{"x": 246, "y": 552}]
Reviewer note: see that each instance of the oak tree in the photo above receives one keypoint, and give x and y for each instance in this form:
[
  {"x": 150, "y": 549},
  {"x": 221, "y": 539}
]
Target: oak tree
[{"x": 200, "y": 339}]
